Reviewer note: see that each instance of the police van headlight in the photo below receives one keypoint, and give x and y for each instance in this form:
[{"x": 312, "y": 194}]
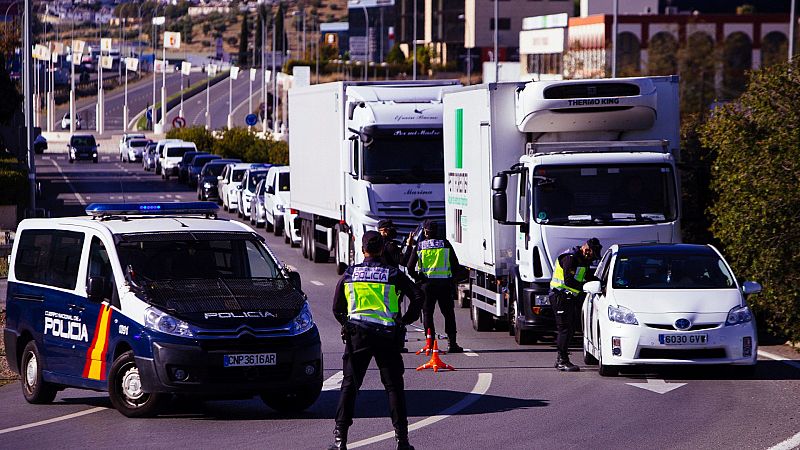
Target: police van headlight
[
  {"x": 303, "y": 322},
  {"x": 158, "y": 320}
]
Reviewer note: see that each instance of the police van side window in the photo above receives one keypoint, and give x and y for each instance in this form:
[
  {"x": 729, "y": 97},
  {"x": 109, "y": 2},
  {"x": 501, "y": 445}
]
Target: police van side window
[
  {"x": 100, "y": 266},
  {"x": 49, "y": 257}
]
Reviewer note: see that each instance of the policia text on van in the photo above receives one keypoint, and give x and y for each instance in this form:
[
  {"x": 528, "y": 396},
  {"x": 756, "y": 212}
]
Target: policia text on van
[{"x": 146, "y": 300}]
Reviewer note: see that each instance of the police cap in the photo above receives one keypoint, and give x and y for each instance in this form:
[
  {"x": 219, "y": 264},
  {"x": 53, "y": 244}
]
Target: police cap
[
  {"x": 385, "y": 223},
  {"x": 595, "y": 245},
  {"x": 430, "y": 225}
]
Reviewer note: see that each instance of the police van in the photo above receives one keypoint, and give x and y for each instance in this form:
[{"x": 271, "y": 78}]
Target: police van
[{"x": 153, "y": 299}]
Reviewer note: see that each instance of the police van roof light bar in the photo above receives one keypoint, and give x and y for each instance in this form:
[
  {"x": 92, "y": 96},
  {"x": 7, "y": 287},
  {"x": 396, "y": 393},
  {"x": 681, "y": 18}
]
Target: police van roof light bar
[{"x": 104, "y": 210}]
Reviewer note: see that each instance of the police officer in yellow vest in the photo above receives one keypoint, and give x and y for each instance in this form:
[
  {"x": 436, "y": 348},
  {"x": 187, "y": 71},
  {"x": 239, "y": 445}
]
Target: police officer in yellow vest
[
  {"x": 570, "y": 273},
  {"x": 433, "y": 264},
  {"x": 366, "y": 303}
]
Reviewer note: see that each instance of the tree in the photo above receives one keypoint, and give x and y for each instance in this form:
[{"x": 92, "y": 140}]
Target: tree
[
  {"x": 259, "y": 35},
  {"x": 396, "y": 55},
  {"x": 697, "y": 65},
  {"x": 755, "y": 215},
  {"x": 206, "y": 28},
  {"x": 187, "y": 31},
  {"x": 244, "y": 38},
  {"x": 279, "y": 29}
]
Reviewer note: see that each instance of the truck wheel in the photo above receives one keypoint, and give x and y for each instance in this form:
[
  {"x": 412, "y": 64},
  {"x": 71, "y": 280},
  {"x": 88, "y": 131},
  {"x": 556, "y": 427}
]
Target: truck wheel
[
  {"x": 125, "y": 389},
  {"x": 303, "y": 239},
  {"x": 34, "y": 388},
  {"x": 481, "y": 320},
  {"x": 293, "y": 400}
]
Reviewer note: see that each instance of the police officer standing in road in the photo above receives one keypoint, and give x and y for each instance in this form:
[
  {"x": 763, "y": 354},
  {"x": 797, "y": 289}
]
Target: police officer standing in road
[
  {"x": 391, "y": 250},
  {"x": 366, "y": 304},
  {"x": 433, "y": 264},
  {"x": 570, "y": 273}
]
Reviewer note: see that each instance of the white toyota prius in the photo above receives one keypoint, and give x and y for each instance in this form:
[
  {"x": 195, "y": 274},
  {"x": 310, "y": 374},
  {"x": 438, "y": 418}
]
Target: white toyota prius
[{"x": 667, "y": 304}]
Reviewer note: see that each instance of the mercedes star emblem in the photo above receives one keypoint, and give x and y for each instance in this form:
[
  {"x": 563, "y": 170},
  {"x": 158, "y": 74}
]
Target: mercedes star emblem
[{"x": 419, "y": 207}]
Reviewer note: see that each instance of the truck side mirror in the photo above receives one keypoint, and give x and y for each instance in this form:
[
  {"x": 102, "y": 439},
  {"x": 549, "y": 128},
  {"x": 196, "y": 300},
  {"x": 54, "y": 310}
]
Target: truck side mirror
[{"x": 499, "y": 198}]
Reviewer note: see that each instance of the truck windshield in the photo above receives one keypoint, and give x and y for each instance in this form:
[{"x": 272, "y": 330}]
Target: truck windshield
[
  {"x": 604, "y": 194},
  {"x": 180, "y": 259},
  {"x": 389, "y": 161}
]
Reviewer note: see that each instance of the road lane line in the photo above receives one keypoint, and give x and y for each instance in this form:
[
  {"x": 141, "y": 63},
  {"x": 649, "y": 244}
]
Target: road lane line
[
  {"x": 481, "y": 387},
  {"x": 53, "y": 420},
  {"x": 334, "y": 382},
  {"x": 775, "y": 357},
  {"x": 789, "y": 444},
  {"x": 469, "y": 352},
  {"x": 69, "y": 183},
  {"x": 316, "y": 283}
]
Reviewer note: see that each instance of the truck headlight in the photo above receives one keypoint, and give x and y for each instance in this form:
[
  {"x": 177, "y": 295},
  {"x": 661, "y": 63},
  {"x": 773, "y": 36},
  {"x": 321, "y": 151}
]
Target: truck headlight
[
  {"x": 739, "y": 314},
  {"x": 160, "y": 321},
  {"x": 303, "y": 322},
  {"x": 622, "y": 314}
]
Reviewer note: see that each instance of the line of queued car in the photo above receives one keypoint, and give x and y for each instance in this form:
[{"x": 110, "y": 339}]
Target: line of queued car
[{"x": 257, "y": 192}]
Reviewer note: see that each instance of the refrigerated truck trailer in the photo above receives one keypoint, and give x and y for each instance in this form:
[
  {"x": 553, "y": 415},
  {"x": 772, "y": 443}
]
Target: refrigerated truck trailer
[
  {"x": 580, "y": 159},
  {"x": 360, "y": 152}
]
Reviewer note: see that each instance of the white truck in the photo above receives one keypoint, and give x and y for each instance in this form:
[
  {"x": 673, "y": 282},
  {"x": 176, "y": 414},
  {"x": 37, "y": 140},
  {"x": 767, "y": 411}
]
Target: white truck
[
  {"x": 360, "y": 152},
  {"x": 586, "y": 158}
]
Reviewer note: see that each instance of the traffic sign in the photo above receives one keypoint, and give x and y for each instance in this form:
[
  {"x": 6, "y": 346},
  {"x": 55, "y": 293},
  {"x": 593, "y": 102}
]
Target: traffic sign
[
  {"x": 178, "y": 122},
  {"x": 251, "y": 119}
]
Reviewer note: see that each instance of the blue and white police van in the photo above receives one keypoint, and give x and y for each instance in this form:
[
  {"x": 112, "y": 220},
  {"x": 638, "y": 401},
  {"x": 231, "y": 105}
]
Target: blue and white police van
[{"x": 149, "y": 300}]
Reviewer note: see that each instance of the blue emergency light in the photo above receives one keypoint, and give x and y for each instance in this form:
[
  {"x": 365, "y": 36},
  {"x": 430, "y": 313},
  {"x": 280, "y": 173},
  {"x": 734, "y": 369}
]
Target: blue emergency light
[{"x": 152, "y": 209}]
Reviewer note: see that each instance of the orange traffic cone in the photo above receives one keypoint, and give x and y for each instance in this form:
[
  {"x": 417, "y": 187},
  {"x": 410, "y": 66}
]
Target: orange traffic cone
[
  {"x": 428, "y": 344},
  {"x": 435, "y": 362}
]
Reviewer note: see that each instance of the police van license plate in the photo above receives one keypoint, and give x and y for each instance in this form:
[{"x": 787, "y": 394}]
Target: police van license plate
[
  {"x": 682, "y": 339},
  {"x": 251, "y": 359}
]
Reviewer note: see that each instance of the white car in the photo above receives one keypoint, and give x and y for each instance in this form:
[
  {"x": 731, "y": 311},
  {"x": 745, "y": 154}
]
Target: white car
[
  {"x": 247, "y": 188},
  {"x": 171, "y": 155},
  {"x": 667, "y": 304},
  {"x": 229, "y": 183},
  {"x": 159, "y": 150},
  {"x": 123, "y": 142},
  {"x": 276, "y": 198},
  {"x": 65, "y": 122},
  {"x": 133, "y": 150}
]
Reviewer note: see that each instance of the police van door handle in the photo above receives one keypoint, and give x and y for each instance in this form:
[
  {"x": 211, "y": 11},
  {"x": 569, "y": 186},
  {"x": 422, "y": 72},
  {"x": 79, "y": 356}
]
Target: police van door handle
[{"x": 74, "y": 306}]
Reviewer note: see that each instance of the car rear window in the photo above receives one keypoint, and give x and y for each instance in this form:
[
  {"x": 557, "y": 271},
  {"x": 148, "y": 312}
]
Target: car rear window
[
  {"x": 178, "y": 151},
  {"x": 49, "y": 257},
  {"x": 283, "y": 181},
  {"x": 202, "y": 160},
  {"x": 138, "y": 143},
  {"x": 83, "y": 140}
]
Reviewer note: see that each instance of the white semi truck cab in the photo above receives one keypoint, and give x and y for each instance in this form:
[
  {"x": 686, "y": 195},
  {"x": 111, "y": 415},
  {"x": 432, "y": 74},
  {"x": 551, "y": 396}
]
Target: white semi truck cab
[
  {"x": 534, "y": 169},
  {"x": 360, "y": 152}
]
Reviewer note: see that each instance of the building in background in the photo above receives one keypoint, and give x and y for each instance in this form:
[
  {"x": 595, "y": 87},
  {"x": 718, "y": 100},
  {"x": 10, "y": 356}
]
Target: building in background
[
  {"x": 336, "y": 35},
  {"x": 371, "y": 25}
]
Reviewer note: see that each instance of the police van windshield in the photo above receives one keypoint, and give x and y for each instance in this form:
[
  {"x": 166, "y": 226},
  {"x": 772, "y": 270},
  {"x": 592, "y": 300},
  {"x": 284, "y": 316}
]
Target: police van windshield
[
  {"x": 671, "y": 271},
  {"x": 387, "y": 160},
  {"x": 254, "y": 178},
  {"x": 173, "y": 152},
  {"x": 604, "y": 194},
  {"x": 182, "y": 259}
]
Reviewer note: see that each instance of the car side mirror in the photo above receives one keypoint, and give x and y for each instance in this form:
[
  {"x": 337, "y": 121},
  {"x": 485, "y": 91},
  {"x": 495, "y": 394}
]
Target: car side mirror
[
  {"x": 95, "y": 288},
  {"x": 592, "y": 287},
  {"x": 750, "y": 288},
  {"x": 294, "y": 279},
  {"x": 219, "y": 178}
]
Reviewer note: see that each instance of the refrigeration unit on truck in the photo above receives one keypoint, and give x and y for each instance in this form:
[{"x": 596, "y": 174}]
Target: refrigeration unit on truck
[
  {"x": 566, "y": 160},
  {"x": 360, "y": 152}
]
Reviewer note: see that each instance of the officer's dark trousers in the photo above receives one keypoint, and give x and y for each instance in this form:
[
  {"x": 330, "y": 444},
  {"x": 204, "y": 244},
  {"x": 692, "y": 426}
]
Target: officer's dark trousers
[
  {"x": 441, "y": 292},
  {"x": 567, "y": 311},
  {"x": 359, "y": 351}
]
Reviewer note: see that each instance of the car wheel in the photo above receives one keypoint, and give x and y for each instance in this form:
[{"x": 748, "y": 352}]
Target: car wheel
[
  {"x": 278, "y": 229},
  {"x": 292, "y": 400},
  {"x": 95, "y": 160},
  {"x": 252, "y": 218},
  {"x": 481, "y": 320},
  {"x": 125, "y": 389},
  {"x": 71, "y": 160},
  {"x": 239, "y": 213},
  {"x": 267, "y": 224},
  {"x": 34, "y": 388},
  {"x": 604, "y": 369}
]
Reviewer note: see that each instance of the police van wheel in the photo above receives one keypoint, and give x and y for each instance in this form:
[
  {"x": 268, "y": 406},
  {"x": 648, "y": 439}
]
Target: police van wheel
[
  {"x": 34, "y": 388},
  {"x": 125, "y": 389},
  {"x": 293, "y": 400}
]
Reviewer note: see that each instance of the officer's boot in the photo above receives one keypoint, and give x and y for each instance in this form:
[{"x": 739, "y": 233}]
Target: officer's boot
[
  {"x": 563, "y": 364},
  {"x": 453, "y": 347},
  {"x": 339, "y": 439},
  {"x": 402, "y": 440}
]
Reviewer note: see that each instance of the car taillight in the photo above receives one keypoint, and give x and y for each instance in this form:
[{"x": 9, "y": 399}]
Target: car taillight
[{"x": 292, "y": 211}]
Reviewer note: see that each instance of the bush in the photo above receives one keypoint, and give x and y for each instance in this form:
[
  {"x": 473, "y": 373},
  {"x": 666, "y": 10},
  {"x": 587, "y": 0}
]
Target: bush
[
  {"x": 755, "y": 215},
  {"x": 14, "y": 182},
  {"x": 201, "y": 137}
]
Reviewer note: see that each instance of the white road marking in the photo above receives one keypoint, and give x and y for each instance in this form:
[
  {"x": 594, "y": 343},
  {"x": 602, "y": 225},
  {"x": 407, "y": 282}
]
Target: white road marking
[
  {"x": 481, "y": 387},
  {"x": 657, "y": 386},
  {"x": 69, "y": 183},
  {"x": 53, "y": 420},
  {"x": 789, "y": 444},
  {"x": 334, "y": 382},
  {"x": 775, "y": 357},
  {"x": 469, "y": 352},
  {"x": 316, "y": 283}
]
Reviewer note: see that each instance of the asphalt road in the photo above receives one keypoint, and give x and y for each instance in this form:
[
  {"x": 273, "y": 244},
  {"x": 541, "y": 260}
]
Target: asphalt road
[{"x": 501, "y": 396}]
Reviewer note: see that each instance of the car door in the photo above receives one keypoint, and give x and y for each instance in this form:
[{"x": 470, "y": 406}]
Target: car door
[
  {"x": 593, "y": 303},
  {"x": 97, "y": 312}
]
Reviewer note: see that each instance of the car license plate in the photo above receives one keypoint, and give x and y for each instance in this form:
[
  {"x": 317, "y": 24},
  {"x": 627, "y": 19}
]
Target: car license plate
[
  {"x": 250, "y": 359},
  {"x": 682, "y": 339}
]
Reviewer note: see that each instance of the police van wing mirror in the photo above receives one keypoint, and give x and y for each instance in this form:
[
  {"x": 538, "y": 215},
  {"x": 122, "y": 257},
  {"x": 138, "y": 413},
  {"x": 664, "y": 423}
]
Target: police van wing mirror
[
  {"x": 95, "y": 288},
  {"x": 294, "y": 278},
  {"x": 592, "y": 287}
]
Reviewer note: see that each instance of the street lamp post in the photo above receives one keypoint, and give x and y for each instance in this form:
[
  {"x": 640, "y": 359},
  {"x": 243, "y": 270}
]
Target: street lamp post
[
  {"x": 496, "y": 38},
  {"x": 792, "y": 22},
  {"x": 614, "y": 29},
  {"x": 366, "y": 43},
  {"x": 98, "y": 117},
  {"x": 414, "y": 39},
  {"x": 28, "y": 72}
]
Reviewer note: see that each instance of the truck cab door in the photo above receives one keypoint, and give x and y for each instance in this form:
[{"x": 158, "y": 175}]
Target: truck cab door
[
  {"x": 523, "y": 251},
  {"x": 486, "y": 200}
]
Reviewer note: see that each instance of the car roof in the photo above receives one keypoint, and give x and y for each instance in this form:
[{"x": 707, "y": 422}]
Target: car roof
[
  {"x": 141, "y": 224},
  {"x": 166, "y": 141},
  {"x": 676, "y": 249},
  {"x": 82, "y": 135},
  {"x": 240, "y": 165},
  {"x": 180, "y": 144}
]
